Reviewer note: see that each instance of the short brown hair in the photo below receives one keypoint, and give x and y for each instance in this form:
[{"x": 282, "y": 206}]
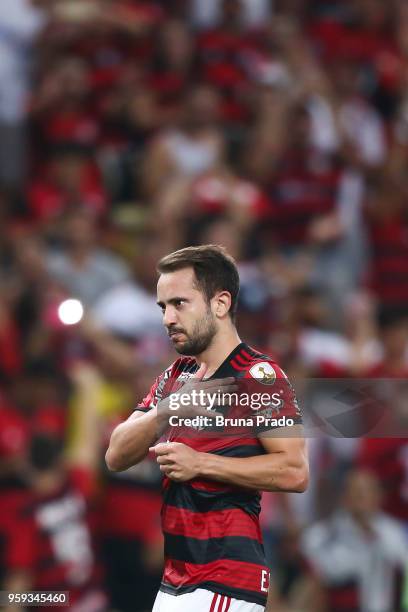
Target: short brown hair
[{"x": 214, "y": 270}]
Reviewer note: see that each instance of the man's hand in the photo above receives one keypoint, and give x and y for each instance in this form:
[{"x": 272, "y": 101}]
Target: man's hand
[
  {"x": 178, "y": 461},
  {"x": 194, "y": 398}
]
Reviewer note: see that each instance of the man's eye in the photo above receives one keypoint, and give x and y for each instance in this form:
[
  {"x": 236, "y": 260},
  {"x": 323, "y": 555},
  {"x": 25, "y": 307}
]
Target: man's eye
[{"x": 179, "y": 303}]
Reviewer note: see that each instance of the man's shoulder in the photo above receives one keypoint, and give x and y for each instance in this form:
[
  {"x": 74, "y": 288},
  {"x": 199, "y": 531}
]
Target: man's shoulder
[{"x": 258, "y": 365}]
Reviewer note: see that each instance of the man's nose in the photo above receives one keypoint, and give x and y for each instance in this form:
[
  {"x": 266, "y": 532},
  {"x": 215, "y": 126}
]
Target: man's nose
[{"x": 169, "y": 316}]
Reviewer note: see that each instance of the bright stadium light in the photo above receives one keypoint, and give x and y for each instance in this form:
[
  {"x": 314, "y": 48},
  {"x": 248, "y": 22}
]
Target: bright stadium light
[{"x": 70, "y": 312}]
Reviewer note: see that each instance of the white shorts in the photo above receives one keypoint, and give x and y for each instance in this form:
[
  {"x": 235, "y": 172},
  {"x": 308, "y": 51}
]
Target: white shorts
[{"x": 202, "y": 600}]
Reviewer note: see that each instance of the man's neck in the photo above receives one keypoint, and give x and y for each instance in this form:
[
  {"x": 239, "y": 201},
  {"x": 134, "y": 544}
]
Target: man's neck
[{"x": 223, "y": 344}]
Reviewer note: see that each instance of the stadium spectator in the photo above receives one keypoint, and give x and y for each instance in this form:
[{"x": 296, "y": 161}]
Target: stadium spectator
[
  {"x": 83, "y": 269},
  {"x": 68, "y": 180},
  {"x": 387, "y": 228},
  {"x": 189, "y": 149},
  {"x": 129, "y": 309},
  {"x": 387, "y": 456},
  {"x": 357, "y": 557},
  {"x": 21, "y": 24},
  {"x": 50, "y": 545}
]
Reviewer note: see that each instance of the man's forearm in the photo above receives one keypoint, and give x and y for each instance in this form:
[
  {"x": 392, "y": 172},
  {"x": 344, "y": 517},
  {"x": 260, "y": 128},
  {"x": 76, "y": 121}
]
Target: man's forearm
[
  {"x": 130, "y": 441},
  {"x": 270, "y": 472}
]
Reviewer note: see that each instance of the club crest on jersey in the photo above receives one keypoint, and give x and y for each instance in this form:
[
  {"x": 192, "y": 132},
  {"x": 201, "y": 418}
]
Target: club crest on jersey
[
  {"x": 185, "y": 376},
  {"x": 263, "y": 372}
]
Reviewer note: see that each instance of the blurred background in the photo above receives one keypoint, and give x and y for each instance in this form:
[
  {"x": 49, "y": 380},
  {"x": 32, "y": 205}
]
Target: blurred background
[{"x": 129, "y": 129}]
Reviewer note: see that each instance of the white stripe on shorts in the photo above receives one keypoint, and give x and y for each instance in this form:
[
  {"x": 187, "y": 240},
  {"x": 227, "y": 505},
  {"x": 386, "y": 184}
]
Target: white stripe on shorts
[{"x": 202, "y": 600}]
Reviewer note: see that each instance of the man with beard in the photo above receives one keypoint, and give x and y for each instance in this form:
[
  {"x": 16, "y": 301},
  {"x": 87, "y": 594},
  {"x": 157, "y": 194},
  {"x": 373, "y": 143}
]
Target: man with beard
[{"x": 214, "y": 558}]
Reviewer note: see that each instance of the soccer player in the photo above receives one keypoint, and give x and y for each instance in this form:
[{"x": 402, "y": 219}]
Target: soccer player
[{"x": 214, "y": 558}]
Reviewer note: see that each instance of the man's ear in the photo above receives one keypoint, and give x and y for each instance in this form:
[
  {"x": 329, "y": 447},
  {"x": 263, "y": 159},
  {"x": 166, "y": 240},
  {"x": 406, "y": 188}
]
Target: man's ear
[{"x": 222, "y": 303}]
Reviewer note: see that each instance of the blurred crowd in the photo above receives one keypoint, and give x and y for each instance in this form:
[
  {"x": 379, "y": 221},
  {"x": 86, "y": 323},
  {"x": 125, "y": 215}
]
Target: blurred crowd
[{"x": 131, "y": 128}]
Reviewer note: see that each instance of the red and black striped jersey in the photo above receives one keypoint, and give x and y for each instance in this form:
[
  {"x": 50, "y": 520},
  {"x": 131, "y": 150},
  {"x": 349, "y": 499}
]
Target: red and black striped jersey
[
  {"x": 52, "y": 540},
  {"x": 304, "y": 187},
  {"x": 212, "y": 534},
  {"x": 388, "y": 275}
]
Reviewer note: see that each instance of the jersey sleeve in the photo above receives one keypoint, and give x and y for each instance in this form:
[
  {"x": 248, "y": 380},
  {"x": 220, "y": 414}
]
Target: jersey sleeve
[{"x": 273, "y": 400}]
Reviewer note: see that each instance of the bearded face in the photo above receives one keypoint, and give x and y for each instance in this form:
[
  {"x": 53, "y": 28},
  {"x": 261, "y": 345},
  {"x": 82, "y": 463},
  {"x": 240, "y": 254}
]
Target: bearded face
[{"x": 187, "y": 315}]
